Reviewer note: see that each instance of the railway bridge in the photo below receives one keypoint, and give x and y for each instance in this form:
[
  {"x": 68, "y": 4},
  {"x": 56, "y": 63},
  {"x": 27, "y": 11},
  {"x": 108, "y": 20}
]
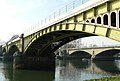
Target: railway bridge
[{"x": 91, "y": 18}]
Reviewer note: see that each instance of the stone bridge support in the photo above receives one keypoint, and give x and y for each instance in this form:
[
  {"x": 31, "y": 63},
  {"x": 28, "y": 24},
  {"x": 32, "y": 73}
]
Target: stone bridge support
[
  {"x": 12, "y": 48},
  {"x": 38, "y": 62},
  {"x": 33, "y": 62}
]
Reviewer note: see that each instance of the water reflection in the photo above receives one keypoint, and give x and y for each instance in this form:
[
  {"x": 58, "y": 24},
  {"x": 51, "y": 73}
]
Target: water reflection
[
  {"x": 78, "y": 70},
  {"x": 83, "y": 64},
  {"x": 109, "y": 66},
  {"x": 11, "y": 74},
  {"x": 70, "y": 70},
  {"x": 67, "y": 70},
  {"x": 27, "y": 75},
  {"x": 7, "y": 71},
  {"x": 117, "y": 63}
]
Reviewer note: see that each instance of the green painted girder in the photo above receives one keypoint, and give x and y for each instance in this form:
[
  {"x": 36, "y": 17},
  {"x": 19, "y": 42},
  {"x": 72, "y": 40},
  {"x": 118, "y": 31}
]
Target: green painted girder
[
  {"x": 69, "y": 23},
  {"x": 99, "y": 30},
  {"x": 55, "y": 40}
]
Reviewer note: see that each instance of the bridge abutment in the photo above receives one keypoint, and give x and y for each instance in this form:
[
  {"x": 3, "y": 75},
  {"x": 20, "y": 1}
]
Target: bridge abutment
[{"x": 35, "y": 62}]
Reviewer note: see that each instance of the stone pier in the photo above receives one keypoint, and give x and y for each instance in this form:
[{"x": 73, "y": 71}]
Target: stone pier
[{"x": 35, "y": 62}]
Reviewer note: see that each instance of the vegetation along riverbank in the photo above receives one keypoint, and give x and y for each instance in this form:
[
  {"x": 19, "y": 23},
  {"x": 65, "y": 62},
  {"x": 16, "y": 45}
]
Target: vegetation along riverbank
[{"x": 112, "y": 78}]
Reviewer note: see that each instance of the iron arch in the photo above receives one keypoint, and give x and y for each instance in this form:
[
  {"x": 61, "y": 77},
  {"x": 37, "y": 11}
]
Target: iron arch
[
  {"x": 53, "y": 37},
  {"x": 50, "y": 42},
  {"x": 13, "y": 49}
]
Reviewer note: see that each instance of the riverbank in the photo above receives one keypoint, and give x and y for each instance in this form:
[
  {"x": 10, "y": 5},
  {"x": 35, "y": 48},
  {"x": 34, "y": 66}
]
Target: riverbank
[{"x": 112, "y": 78}]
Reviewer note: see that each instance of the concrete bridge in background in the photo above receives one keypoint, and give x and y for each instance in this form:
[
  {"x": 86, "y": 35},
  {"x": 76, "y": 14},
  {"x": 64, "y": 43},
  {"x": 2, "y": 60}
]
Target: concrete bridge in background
[
  {"x": 93, "y": 18},
  {"x": 96, "y": 52}
]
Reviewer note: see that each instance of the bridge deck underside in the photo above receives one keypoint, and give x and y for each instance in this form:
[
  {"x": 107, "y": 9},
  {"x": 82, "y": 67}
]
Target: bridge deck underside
[{"x": 52, "y": 41}]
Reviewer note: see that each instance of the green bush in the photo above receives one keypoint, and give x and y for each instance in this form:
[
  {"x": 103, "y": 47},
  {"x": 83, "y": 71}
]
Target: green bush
[{"x": 113, "y": 78}]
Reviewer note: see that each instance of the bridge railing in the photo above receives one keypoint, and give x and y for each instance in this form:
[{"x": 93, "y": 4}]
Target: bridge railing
[{"x": 57, "y": 13}]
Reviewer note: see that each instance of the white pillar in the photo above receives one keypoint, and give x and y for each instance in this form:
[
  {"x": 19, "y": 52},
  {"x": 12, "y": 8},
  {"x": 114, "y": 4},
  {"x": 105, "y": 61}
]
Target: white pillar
[
  {"x": 117, "y": 18},
  {"x": 101, "y": 19},
  {"x": 109, "y": 19}
]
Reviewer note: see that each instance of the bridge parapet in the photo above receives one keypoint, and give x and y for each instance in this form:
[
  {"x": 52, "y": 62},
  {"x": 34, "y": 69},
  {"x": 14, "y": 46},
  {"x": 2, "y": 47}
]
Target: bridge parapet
[{"x": 93, "y": 51}]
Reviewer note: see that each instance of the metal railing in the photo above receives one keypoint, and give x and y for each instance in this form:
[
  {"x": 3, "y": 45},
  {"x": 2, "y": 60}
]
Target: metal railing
[{"x": 59, "y": 12}]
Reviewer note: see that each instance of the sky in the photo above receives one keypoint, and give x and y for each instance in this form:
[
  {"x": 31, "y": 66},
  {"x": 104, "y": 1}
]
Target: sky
[
  {"x": 18, "y": 16},
  {"x": 99, "y": 41}
]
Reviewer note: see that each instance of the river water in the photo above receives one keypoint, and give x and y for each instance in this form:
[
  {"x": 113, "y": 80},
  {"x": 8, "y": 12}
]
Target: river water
[{"x": 67, "y": 70}]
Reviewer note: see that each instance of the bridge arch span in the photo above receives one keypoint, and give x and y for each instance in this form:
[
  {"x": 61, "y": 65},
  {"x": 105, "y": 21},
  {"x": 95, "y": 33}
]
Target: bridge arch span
[
  {"x": 4, "y": 51},
  {"x": 8, "y": 55},
  {"x": 60, "y": 34},
  {"x": 82, "y": 54},
  {"x": 12, "y": 50},
  {"x": 50, "y": 42},
  {"x": 108, "y": 54},
  {"x": 42, "y": 47},
  {"x": 104, "y": 16}
]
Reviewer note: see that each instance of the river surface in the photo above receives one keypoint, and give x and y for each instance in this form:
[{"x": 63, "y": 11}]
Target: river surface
[{"x": 67, "y": 70}]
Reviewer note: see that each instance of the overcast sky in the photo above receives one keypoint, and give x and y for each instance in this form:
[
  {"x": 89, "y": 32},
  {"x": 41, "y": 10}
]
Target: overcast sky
[{"x": 16, "y": 16}]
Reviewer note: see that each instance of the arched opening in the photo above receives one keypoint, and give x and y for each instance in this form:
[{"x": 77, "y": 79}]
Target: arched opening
[
  {"x": 113, "y": 19},
  {"x": 87, "y": 21},
  {"x": 99, "y": 20},
  {"x": 93, "y": 21},
  {"x": 107, "y": 55},
  {"x": 12, "y": 50},
  {"x": 105, "y": 19}
]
